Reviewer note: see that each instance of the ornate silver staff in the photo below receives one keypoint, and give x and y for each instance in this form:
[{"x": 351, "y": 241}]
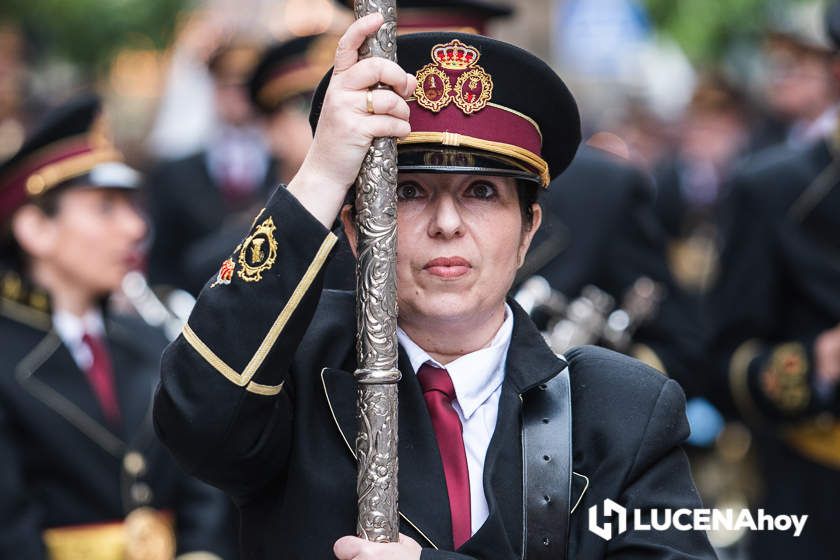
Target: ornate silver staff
[{"x": 376, "y": 313}]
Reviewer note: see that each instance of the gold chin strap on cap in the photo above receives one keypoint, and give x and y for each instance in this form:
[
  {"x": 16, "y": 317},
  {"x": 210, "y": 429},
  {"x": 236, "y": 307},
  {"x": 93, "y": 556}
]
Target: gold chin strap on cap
[{"x": 456, "y": 140}]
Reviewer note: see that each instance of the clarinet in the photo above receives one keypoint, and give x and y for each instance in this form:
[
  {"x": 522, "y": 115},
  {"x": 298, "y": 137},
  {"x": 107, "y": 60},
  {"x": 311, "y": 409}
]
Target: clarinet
[
  {"x": 591, "y": 318},
  {"x": 170, "y": 316}
]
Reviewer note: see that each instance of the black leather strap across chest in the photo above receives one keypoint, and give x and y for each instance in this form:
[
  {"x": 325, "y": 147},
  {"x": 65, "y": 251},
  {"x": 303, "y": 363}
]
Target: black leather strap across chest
[{"x": 547, "y": 468}]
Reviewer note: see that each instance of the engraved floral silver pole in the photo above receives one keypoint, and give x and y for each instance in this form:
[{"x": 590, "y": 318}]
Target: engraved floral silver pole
[{"x": 376, "y": 313}]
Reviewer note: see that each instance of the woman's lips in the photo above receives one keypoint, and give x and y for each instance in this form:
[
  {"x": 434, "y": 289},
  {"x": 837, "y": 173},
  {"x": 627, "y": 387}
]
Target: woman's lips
[{"x": 448, "y": 267}]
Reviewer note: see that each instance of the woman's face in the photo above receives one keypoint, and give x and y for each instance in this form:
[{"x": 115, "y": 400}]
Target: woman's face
[
  {"x": 92, "y": 241},
  {"x": 460, "y": 241}
]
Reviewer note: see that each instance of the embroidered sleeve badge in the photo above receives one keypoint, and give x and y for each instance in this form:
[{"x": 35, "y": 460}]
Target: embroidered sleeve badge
[
  {"x": 225, "y": 274},
  {"x": 784, "y": 380},
  {"x": 258, "y": 252},
  {"x": 454, "y": 77}
]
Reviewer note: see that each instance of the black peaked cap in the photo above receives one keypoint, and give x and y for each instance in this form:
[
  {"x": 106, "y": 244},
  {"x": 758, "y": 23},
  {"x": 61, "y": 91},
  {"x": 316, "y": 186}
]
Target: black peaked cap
[{"x": 521, "y": 83}]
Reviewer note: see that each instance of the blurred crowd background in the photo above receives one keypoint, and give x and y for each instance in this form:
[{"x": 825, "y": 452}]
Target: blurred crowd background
[{"x": 682, "y": 90}]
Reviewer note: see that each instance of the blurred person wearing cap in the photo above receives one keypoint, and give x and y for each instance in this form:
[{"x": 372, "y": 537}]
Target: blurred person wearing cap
[
  {"x": 82, "y": 473},
  {"x": 280, "y": 89},
  {"x": 713, "y": 135},
  {"x": 231, "y": 177},
  {"x": 799, "y": 88},
  {"x": 262, "y": 374},
  {"x": 775, "y": 320}
]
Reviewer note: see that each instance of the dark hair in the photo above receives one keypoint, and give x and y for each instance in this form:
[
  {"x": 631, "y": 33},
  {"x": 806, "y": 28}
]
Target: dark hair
[
  {"x": 12, "y": 254},
  {"x": 528, "y": 194}
]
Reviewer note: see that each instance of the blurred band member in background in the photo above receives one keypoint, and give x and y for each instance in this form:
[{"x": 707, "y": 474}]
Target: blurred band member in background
[
  {"x": 82, "y": 473},
  {"x": 280, "y": 90},
  {"x": 192, "y": 197},
  {"x": 800, "y": 89},
  {"x": 775, "y": 318},
  {"x": 714, "y": 133}
]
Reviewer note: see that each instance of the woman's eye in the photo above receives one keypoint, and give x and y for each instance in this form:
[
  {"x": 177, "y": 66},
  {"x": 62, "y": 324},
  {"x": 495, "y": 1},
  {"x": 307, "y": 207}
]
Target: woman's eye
[
  {"x": 481, "y": 190},
  {"x": 407, "y": 191}
]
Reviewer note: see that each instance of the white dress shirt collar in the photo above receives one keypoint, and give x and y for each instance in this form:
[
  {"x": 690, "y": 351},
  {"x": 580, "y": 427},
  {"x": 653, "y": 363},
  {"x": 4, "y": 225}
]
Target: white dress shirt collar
[
  {"x": 71, "y": 328},
  {"x": 476, "y": 375}
]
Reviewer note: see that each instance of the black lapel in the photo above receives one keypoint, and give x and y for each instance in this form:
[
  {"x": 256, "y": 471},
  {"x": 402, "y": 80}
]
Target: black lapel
[
  {"x": 50, "y": 374},
  {"x": 423, "y": 501},
  {"x": 340, "y": 390},
  {"x": 423, "y": 496},
  {"x": 133, "y": 382},
  {"x": 501, "y": 535},
  {"x": 580, "y": 484},
  {"x": 61, "y": 373},
  {"x": 530, "y": 362}
]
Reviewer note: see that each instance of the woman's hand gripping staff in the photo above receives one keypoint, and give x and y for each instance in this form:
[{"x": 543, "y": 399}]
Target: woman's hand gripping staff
[{"x": 353, "y": 114}]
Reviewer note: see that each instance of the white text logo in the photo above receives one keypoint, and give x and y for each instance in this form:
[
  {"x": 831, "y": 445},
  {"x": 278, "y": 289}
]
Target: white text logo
[{"x": 685, "y": 519}]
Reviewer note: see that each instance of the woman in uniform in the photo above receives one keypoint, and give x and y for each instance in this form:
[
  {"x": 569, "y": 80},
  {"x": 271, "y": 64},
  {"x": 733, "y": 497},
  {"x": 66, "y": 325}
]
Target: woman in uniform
[{"x": 257, "y": 395}]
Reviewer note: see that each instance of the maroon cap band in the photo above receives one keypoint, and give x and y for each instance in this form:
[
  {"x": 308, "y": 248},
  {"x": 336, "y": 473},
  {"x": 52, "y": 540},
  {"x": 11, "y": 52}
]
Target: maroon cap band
[
  {"x": 494, "y": 129},
  {"x": 493, "y": 123},
  {"x": 46, "y": 169}
]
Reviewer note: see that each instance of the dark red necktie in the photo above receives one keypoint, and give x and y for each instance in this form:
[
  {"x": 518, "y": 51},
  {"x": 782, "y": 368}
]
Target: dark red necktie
[
  {"x": 439, "y": 394},
  {"x": 101, "y": 377}
]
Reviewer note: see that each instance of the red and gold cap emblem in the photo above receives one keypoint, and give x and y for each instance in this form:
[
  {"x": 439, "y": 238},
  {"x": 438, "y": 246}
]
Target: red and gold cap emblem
[{"x": 454, "y": 76}]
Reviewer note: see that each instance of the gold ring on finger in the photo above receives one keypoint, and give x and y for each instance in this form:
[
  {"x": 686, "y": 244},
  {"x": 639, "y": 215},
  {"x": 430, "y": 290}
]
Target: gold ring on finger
[{"x": 370, "y": 102}]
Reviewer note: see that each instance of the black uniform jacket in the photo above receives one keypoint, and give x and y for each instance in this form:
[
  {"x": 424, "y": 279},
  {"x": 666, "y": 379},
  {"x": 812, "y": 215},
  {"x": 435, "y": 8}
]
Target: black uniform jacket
[
  {"x": 779, "y": 289},
  {"x": 780, "y": 282},
  {"x": 600, "y": 228},
  {"x": 258, "y": 398},
  {"x": 62, "y": 464}
]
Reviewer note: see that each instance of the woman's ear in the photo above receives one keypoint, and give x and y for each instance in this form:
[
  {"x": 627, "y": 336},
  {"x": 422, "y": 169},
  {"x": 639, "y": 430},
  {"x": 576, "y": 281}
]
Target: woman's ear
[
  {"x": 528, "y": 234},
  {"x": 349, "y": 227},
  {"x": 33, "y": 230}
]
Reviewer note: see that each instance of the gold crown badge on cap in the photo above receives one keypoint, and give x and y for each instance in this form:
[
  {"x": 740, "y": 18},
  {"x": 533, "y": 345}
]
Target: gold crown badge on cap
[{"x": 454, "y": 76}]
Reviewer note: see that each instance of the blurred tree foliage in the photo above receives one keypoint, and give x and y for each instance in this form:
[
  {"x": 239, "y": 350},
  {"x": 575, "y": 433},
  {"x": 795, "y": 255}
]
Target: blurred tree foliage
[
  {"x": 89, "y": 32},
  {"x": 706, "y": 29}
]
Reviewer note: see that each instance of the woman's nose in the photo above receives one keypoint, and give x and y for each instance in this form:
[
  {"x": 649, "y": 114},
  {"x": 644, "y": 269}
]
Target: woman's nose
[{"x": 446, "y": 220}]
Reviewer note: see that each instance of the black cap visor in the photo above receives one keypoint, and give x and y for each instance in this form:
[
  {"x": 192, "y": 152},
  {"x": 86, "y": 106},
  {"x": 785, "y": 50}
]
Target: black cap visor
[{"x": 431, "y": 158}]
